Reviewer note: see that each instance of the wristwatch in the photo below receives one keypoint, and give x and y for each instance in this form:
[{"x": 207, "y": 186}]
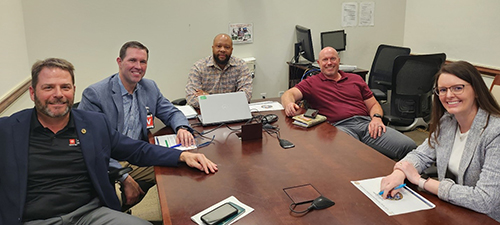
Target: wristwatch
[
  {"x": 182, "y": 127},
  {"x": 377, "y": 115}
]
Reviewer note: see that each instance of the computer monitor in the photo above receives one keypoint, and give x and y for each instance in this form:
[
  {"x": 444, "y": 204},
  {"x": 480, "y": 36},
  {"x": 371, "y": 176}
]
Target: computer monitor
[
  {"x": 334, "y": 39},
  {"x": 304, "y": 44}
]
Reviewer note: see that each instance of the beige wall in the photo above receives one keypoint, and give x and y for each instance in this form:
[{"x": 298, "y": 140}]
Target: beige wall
[
  {"x": 14, "y": 54},
  {"x": 463, "y": 29},
  {"x": 90, "y": 33}
]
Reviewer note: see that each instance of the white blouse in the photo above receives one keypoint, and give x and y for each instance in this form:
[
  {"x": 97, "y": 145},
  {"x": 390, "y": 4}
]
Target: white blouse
[{"x": 457, "y": 151}]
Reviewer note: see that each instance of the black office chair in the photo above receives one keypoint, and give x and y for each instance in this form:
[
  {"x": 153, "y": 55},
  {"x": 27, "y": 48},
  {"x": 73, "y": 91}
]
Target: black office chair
[
  {"x": 380, "y": 77},
  {"x": 115, "y": 174},
  {"x": 412, "y": 82},
  {"x": 179, "y": 101},
  {"x": 307, "y": 73}
]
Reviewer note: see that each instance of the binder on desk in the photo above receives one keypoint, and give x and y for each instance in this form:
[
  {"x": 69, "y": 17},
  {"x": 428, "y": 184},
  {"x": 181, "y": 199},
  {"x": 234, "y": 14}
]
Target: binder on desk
[{"x": 301, "y": 120}]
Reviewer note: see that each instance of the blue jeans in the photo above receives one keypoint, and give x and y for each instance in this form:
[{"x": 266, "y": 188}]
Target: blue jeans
[{"x": 392, "y": 143}]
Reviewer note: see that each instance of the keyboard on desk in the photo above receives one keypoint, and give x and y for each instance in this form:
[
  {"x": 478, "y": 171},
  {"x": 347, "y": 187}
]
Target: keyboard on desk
[{"x": 345, "y": 68}]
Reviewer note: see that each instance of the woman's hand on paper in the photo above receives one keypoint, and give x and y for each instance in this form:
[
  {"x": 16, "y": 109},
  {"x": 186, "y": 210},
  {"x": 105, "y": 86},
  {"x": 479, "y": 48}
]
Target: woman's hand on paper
[{"x": 388, "y": 183}]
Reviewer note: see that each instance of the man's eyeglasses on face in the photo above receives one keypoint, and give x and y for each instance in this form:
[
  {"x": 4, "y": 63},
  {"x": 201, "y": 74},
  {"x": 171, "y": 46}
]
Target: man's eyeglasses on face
[{"x": 455, "y": 89}]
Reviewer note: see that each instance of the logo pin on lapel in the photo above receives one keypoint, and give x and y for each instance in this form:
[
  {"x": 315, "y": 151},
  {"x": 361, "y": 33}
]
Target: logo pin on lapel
[{"x": 84, "y": 131}]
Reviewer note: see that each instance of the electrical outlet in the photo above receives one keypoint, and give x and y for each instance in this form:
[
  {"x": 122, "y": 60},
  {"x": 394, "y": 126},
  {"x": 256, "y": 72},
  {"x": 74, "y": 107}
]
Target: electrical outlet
[
  {"x": 263, "y": 95},
  {"x": 280, "y": 93}
]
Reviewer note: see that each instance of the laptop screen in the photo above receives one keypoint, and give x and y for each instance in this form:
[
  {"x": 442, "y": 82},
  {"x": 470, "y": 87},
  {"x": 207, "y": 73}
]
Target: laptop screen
[{"x": 224, "y": 108}]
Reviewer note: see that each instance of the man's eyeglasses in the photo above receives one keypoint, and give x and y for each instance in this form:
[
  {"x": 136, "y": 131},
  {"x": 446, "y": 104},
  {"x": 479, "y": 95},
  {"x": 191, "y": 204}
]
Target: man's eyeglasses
[{"x": 455, "y": 89}]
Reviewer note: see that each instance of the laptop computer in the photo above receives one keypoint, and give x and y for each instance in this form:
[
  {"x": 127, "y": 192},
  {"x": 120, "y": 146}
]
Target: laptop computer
[{"x": 223, "y": 108}]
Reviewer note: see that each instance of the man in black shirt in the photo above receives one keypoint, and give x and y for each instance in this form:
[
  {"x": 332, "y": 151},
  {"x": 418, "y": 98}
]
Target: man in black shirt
[
  {"x": 56, "y": 171},
  {"x": 57, "y": 157}
]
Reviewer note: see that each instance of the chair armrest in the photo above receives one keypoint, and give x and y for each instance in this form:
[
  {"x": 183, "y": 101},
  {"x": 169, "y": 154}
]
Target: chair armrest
[
  {"x": 179, "y": 101},
  {"x": 379, "y": 95},
  {"x": 115, "y": 174},
  {"x": 384, "y": 83}
]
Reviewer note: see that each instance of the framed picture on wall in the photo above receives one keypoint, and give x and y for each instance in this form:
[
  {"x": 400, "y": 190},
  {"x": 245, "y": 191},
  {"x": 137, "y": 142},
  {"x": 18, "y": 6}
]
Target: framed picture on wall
[{"x": 241, "y": 33}]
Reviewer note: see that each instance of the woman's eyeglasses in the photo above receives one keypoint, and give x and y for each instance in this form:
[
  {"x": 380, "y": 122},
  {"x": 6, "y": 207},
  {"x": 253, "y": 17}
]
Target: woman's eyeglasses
[{"x": 455, "y": 89}]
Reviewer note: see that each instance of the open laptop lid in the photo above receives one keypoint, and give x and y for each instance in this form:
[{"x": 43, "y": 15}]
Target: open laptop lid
[{"x": 224, "y": 108}]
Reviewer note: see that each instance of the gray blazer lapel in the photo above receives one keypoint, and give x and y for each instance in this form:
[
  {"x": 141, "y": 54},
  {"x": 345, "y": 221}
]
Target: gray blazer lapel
[
  {"x": 118, "y": 101},
  {"x": 446, "y": 141},
  {"x": 142, "y": 100},
  {"x": 473, "y": 139}
]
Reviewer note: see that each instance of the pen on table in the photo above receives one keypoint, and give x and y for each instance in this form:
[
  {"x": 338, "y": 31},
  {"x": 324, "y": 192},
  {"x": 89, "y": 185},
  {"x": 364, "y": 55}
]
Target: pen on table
[
  {"x": 175, "y": 146},
  {"x": 397, "y": 187}
]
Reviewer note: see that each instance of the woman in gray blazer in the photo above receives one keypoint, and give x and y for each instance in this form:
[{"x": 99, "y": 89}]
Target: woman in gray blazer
[{"x": 464, "y": 142}]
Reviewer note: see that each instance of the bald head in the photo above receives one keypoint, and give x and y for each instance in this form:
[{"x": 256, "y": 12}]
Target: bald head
[
  {"x": 326, "y": 50},
  {"x": 222, "y": 49},
  {"x": 329, "y": 62},
  {"x": 224, "y": 37}
]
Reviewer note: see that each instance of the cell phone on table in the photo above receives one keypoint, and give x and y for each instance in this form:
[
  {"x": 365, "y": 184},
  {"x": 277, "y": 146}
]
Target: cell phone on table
[
  {"x": 219, "y": 214},
  {"x": 311, "y": 113}
]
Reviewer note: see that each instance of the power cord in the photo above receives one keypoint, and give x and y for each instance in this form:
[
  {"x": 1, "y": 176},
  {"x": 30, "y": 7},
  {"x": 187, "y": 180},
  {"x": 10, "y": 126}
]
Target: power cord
[
  {"x": 320, "y": 202},
  {"x": 308, "y": 72},
  {"x": 270, "y": 129},
  {"x": 292, "y": 206}
]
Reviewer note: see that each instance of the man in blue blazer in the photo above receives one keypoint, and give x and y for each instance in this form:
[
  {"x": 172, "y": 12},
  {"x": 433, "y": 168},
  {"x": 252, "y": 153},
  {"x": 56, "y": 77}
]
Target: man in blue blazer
[
  {"x": 126, "y": 98},
  {"x": 54, "y": 159}
]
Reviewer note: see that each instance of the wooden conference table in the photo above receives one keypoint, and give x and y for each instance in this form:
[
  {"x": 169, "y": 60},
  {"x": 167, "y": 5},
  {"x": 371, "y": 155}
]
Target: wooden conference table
[{"x": 256, "y": 171}]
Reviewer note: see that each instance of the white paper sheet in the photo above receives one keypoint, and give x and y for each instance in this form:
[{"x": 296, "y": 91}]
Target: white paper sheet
[
  {"x": 366, "y": 14},
  {"x": 349, "y": 14},
  {"x": 197, "y": 218},
  {"x": 169, "y": 141},
  {"x": 411, "y": 201},
  {"x": 265, "y": 106},
  {"x": 187, "y": 110}
]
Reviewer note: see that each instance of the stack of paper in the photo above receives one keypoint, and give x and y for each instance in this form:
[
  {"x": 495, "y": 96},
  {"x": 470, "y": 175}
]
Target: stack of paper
[
  {"x": 411, "y": 201},
  {"x": 188, "y": 111},
  {"x": 265, "y": 106},
  {"x": 169, "y": 141}
]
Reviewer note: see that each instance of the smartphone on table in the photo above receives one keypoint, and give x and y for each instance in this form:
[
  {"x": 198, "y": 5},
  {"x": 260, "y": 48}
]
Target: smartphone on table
[
  {"x": 311, "y": 113},
  {"x": 219, "y": 214}
]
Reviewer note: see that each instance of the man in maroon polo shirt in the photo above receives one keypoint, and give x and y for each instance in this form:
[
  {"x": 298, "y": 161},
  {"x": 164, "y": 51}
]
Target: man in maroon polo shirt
[{"x": 346, "y": 100}]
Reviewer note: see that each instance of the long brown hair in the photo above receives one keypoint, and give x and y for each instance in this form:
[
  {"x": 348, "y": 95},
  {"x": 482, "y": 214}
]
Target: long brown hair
[{"x": 471, "y": 75}]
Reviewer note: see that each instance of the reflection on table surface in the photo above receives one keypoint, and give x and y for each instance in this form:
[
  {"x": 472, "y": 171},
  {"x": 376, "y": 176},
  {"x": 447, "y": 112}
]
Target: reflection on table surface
[{"x": 256, "y": 171}]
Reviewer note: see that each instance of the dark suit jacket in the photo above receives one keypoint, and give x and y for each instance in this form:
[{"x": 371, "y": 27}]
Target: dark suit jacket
[{"x": 98, "y": 141}]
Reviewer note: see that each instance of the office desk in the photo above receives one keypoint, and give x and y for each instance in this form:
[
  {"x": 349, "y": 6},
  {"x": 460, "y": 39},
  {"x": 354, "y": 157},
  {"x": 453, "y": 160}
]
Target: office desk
[
  {"x": 255, "y": 172},
  {"x": 295, "y": 73}
]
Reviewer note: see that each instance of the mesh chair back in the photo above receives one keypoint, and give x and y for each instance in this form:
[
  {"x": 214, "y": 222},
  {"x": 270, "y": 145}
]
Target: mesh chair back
[
  {"x": 382, "y": 65},
  {"x": 412, "y": 84}
]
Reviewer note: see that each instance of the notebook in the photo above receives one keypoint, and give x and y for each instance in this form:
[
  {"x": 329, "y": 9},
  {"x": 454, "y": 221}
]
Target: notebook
[
  {"x": 303, "y": 121},
  {"x": 223, "y": 108}
]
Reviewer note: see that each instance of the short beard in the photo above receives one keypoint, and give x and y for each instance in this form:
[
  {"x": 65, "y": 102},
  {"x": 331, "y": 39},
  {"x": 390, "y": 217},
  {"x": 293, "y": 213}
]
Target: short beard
[
  {"x": 45, "y": 110},
  {"x": 222, "y": 62}
]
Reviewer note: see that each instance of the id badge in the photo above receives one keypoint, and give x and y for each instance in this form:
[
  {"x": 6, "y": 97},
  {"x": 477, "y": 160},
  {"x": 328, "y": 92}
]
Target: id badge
[{"x": 149, "y": 119}]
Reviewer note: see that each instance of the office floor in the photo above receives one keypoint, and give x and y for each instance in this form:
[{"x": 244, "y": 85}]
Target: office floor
[
  {"x": 149, "y": 207},
  {"x": 418, "y": 135}
]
